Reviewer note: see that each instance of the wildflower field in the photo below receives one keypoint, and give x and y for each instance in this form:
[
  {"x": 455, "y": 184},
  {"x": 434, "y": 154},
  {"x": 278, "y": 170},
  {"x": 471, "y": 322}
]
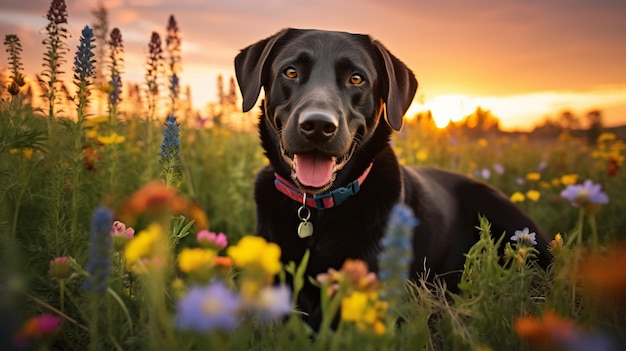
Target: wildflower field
[{"x": 131, "y": 230}]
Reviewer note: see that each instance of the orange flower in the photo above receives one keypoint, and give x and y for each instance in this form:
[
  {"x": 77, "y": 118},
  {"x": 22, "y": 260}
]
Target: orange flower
[
  {"x": 354, "y": 273},
  {"x": 222, "y": 265},
  {"x": 604, "y": 277},
  {"x": 154, "y": 198},
  {"x": 544, "y": 332}
]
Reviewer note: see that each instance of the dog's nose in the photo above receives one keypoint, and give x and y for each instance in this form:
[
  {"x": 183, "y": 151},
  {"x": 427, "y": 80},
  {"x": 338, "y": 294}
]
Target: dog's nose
[{"x": 318, "y": 126}]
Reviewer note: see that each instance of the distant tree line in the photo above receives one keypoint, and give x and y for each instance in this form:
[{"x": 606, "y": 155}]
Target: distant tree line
[
  {"x": 568, "y": 121},
  {"x": 482, "y": 121}
]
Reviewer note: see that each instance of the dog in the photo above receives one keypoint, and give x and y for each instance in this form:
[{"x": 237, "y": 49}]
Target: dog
[{"x": 332, "y": 100}]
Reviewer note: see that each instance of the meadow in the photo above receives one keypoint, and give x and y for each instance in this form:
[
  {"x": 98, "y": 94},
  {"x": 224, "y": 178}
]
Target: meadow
[{"x": 132, "y": 230}]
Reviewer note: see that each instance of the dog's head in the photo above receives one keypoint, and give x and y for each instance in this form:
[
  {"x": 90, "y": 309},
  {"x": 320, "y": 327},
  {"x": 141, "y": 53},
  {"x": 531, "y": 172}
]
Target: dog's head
[{"x": 325, "y": 93}]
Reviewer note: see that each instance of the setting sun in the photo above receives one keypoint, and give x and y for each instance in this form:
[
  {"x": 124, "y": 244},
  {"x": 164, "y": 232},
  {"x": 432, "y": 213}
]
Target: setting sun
[{"x": 445, "y": 108}]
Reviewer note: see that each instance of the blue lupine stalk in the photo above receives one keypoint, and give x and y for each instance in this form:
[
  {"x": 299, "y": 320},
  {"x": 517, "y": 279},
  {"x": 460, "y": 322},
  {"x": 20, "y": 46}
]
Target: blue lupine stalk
[
  {"x": 99, "y": 253},
  {"x": 170, "y": 152},
  {"x": 116, "y": 62},
  {"x": 84, "y": 70},
  {"x": 83, "y": 77},
  {"x": 396, "y": 254}
]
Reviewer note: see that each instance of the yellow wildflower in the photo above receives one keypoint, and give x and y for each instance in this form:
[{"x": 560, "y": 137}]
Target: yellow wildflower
[
  {"x": 604, "y": 137},
  {"x": 556, "y": 245},
  {"x": 365, "y": 310},
  {"x": 92, "y": 121},
  {"x": 482, "y": 142},
  {"x": 27, "y": 152},
  {"x": 106, "y": 88},
  {"x": 256, "y": 251},
  {"x": 533, "y": 176},
  {"x": 114, "y": 138},
  {"x": 533, "y": 195},
  {"x": 518, "y": 197},
  {"x": 193, "y": 259},
  {"x": 142, "y": 245},
  {"x": 569, "y": 179}
]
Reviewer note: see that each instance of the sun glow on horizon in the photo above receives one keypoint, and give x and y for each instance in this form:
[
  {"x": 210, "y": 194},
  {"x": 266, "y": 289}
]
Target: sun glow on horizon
[
  {"x": 524, "y": 111},
  {"x": 445, "y": 108}
]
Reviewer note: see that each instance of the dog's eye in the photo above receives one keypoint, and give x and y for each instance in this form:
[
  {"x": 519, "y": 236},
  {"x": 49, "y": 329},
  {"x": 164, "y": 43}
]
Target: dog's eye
[
  {"x": 356, "y": 79},
  {"x": 290, "y": 72}
]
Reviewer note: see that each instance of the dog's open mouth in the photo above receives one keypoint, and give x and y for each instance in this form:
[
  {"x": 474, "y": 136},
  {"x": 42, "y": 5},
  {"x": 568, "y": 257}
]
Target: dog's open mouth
[{"x": 314, "y": 169}]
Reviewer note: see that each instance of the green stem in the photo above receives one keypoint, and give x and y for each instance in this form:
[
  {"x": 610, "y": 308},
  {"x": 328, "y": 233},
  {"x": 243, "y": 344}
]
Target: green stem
[
  {"x": 579, "y": 239},
  {"x": 62, "y": 293},
  {"x": 594, "y": 232},
  {"x": 57, "y": 311},
  {"x": 329, "y": 316},
  {"x": 93, "y": 326}
]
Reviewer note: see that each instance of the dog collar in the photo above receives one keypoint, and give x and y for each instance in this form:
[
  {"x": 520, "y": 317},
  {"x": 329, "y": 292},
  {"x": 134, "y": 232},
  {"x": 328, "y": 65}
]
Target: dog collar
[{"x": 324, "y": 200}]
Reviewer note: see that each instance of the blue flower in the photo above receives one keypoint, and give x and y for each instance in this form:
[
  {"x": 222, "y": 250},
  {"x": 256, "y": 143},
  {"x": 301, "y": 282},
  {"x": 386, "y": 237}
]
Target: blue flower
[
  {"x": 170, "y": 147},
  {"x": 208, "y": 308},
  {"x": 396, "y": 254},
  {"x": 170, "y": 152},
  {"x": 99, "y": 252},
  {"x": 525, "y": 237},
  {"x": 588, "y": 196},
  {"x": 83, "y": 60}
]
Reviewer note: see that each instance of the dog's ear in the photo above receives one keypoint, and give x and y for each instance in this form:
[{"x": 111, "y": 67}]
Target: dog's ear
[
  {"x": 249, "y": 68},
  {"x": 399, "y": 86}
]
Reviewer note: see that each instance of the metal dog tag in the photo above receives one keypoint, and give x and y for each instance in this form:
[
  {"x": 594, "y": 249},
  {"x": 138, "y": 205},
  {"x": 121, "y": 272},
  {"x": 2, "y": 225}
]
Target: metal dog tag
[{"x": 305, "y": 229}]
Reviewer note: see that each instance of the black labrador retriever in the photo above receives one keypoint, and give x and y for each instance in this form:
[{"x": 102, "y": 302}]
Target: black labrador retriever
[{"x": 331, "y": 102}]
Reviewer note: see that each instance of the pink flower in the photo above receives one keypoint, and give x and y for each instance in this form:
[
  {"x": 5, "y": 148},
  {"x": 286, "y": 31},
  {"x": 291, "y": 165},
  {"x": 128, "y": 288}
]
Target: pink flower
[
  {"x": 37, "y": 328},
  {"x": 121, "y": 235},
  {"x": 60, "y": 267},
  {"x": 210, "y": 239},
  {"x": 119, "y": 229}
]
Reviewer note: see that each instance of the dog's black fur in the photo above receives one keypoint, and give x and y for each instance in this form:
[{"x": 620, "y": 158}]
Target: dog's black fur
[{"x": 339, "y": 94}]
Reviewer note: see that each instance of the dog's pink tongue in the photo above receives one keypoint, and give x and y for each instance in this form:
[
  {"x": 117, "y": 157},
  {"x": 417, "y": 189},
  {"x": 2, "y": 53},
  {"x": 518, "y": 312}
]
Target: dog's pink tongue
[{"x": 314, "y": 170}]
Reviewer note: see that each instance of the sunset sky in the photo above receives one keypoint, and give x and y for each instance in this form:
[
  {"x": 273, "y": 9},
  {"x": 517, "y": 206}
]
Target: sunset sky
[{"x": 522, "y": 59}]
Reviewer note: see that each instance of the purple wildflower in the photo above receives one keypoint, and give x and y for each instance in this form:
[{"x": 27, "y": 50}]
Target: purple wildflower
[
  {"x": 57, "y": 13},
  {"x": 541, "y": 166},
  {"x": 588, "y": 196},
  {"x": 212, "y": 307},
  {"x": 499, "y": 168},
  {"x": 14, "y": 49},
  {"x": 485, "y": 173},
  {"x": 525, "y": 237},
  {"x": 273, "y": 302}
]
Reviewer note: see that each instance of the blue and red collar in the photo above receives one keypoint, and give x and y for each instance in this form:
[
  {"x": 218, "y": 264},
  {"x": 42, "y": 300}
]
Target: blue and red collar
[{"x": 324, "y": 200}]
